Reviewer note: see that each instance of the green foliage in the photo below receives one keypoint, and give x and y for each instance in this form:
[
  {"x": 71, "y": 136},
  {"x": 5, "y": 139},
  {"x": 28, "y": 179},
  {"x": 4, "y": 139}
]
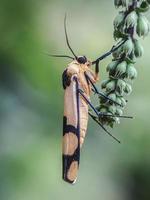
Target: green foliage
[{"x": 129, "y": 25}]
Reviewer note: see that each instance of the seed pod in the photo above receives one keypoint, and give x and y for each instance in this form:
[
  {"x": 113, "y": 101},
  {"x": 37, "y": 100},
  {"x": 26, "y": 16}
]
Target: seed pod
[
  {"x": 138, "y": 48},
  {"x": 111, "y": 67},
  {"x": 116, "y": 120},
  {"x": 119, "y": 112},
  {"x": 142, "y": 26},
  {"x": 119, "y": 19},
  {"x": 117, "y": 3},
  {"x": 118, "y": 53},
  {"x": 123, "y": 3},
  {"x": 110, "y": 86},
  {"x": 128, "y": 47},
  {"x": 144, "y": 6},
  {"x": 128, "y": 89},
  {"x": 131, "y": 19},
  {"x": 148, "y": 1},
  {"x": 112, "y": 96},
  {"x": 112, "y": 109},
  {"x": 103, "y": 110},
  {"x": 118, "y": 100},
  {"x": 104, "y": 83},
  {"x": 131, "y": 72},
  {"x": 123, "y": 102},
  {"x": 121, "y": 68},
  {"x": 120, "y": 87}
]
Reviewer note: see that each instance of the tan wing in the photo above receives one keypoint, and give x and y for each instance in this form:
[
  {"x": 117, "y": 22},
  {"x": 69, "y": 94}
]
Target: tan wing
[{"x": 71, "y": 132}]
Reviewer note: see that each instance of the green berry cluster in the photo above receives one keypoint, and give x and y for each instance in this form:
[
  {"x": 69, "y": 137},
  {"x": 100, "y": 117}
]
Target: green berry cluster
[{"x": 129, "y": 25}]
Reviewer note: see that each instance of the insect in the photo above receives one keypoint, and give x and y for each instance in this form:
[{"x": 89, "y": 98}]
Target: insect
[{"x": 78, "y": 82}]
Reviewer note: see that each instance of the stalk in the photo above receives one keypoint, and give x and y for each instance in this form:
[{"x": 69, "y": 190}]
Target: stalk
[{"x": 130, "y": 24}]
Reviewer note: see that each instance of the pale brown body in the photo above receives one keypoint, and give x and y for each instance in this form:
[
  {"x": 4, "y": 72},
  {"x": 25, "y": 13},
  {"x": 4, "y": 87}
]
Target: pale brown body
[{"x": 71, "y": 142}]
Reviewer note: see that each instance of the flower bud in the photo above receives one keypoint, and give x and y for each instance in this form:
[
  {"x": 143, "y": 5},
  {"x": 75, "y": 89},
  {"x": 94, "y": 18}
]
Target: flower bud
[
  {"x": 110, "y": 86},
  {"x": 112, "y": 109},
  {"x": 131, "y": 71},
  {"x": 128, "y": 47},
  {"x": 128, "y": 89},
  {"x": 116, "y": 120},
  {"x": 117, "y": 3},
  {"x": 123, "y": 102},
  {"x": 104, "y": 83},
  {"x": 119, "y": 112},
  {"x": 103, "y": 110},
  {"x": 119, "y": 19},
  {"x": 111, "y": 67},
  {"x": 112, "y": 96},
  {"x": 148, "y": 1},
  {"x": 138, "y": 48},
  {"x": 121, "y": 68},
  {"x": 123, "y": 3},
  {"x": 131, "y": 19},
  {"x": 118, "y": 100},
  {"x": 117, "y": 54},
  {"x": 142, "y": 26},
  {"x": 144, "y": 6},
  {"x": 120, "y": 87}
]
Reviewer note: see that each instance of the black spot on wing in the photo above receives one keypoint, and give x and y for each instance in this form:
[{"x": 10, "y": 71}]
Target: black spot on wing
[
  {"x": 68, "y": 128},
  {"x": 67, "y": 160},
  {"x": 66, "y": 80}
]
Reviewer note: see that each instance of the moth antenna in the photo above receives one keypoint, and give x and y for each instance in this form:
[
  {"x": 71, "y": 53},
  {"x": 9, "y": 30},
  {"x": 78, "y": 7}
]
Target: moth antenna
[
  {"x": 67, "y": 40},
  {"x": 59, "y": 56}
]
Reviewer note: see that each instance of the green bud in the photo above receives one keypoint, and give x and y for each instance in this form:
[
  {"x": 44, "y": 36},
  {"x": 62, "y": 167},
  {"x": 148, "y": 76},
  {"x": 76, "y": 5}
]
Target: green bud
[
  {"x": 138, "y": 48},
  {"x": 128, "y": 47},
  {"x": 128, "y": 89},
  {"x": 116, "y": 120},
  {"x": 111, "y": 67},
  {"x": 144, "y": 6},
  {"x": 121, "y": 68},
  {"x": 110, "y": 86},
  {"x": 117, "y": 54},
  {"x": 112, "y": 109},
  {"x": 117, "y": 3},
  {"x": 104, "y": 83},
  {"x": 123, "y": 102},
  {"x": 123, "y": 3},
  {"x": 119, "y": 112},
  {"x": 118, "y": 100},
  {"x": 112, "y": 96},
  {"x": 142, "y": 26},
  {"x": 119, "y": 19},
  {"x": 148, "y": 1},
  {"x": 131, "y": 71},
  {"x": 120, "y": 87},
  {"x": 131, "y": 19},
  {"x": 103, "y": 109}
]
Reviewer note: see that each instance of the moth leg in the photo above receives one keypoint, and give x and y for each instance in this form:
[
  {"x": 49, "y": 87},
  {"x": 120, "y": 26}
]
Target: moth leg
[
  {"x": 97, "y": 61},
  {"x": 100, "y": 113},
  {"x": 114, "y": 48},
  {"x": 88, "y": 102},
  {"x": 98, "y": 92},
  {"x": 95, "y": 119}
]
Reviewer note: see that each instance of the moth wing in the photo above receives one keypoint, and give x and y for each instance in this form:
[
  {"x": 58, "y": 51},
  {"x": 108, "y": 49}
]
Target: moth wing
[{"x": 71, "y": 131}]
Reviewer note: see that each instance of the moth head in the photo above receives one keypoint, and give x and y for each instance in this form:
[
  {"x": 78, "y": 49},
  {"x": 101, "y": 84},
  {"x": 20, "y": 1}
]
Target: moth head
[{"x": 81, "y": 59}]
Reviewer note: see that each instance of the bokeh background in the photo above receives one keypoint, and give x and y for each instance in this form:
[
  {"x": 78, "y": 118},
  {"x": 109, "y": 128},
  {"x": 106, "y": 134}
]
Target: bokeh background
[{"x": 31, "y": 106}]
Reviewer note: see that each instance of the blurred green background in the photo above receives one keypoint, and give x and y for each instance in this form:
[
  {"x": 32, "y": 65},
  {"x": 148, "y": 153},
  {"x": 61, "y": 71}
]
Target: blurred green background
[{"x": 31, "y": 106}]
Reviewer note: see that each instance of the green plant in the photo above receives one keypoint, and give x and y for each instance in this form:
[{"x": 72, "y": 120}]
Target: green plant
[{"x": 129, "y": 25}]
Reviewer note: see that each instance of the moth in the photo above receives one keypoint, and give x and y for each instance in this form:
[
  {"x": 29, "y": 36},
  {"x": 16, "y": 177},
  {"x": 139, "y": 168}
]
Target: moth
[{"x": 78, "y": 81}]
